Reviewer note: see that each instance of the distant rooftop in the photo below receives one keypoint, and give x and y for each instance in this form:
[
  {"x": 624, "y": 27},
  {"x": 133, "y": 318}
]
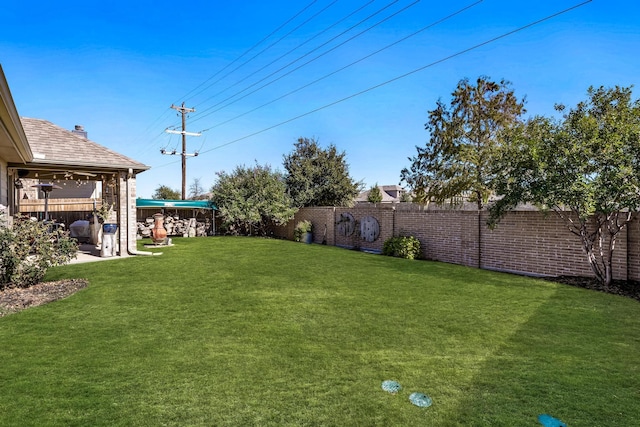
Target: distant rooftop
[{"x": 390, "y": 194}]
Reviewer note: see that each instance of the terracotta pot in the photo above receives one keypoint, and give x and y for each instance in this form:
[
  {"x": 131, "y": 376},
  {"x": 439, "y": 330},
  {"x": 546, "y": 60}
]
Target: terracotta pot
[{"x": 158, "y": 232}]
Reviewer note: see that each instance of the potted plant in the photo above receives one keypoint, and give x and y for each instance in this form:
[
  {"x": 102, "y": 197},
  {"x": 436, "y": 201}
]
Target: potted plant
[
  {"x": 303, "y": 231},
  {"x": 107, "y": 218}
]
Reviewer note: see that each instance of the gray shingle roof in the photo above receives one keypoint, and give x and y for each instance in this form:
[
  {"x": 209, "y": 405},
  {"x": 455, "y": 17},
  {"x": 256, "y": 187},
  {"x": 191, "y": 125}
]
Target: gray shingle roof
[{"x": 53, "y": 145}]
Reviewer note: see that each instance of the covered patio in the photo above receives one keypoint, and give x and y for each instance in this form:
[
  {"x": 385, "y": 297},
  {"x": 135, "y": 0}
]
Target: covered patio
[{"x": 86, "y": 175}]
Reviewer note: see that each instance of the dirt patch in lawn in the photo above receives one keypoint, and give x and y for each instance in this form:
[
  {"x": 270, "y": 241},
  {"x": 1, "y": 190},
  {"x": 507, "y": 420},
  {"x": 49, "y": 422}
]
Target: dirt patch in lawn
[{"x": 18, "y": 299}]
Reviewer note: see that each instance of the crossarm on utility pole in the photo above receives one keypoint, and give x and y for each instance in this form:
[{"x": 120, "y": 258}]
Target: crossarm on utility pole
[{"x": 183, "y": 110}]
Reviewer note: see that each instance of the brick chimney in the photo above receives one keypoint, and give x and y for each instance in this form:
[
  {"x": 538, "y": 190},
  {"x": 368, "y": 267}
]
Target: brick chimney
[{"x": 79, "y": 130}]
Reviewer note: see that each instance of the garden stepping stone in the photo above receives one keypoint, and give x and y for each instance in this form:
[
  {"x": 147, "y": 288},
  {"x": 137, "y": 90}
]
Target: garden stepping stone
[
  {"x": 417, "y": 398},
  {"x": 391, "y": 386},
  {"x": 420, "y": 399}
]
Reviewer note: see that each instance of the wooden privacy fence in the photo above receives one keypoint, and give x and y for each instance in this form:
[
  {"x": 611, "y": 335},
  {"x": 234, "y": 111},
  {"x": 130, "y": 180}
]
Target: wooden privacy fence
[
  {"x": 59, "y": 205},
  {"x": 62, "y": 210},
  {"x": 525, "y": 242}
]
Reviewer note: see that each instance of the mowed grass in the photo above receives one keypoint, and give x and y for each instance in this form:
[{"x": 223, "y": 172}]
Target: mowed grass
[{"x": 254, "y": 332}]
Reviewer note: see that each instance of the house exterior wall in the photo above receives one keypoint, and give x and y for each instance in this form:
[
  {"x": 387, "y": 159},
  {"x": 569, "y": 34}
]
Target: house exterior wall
[
  {"x": 4, "y": 183},
  {"x": 525, "y": 242}
]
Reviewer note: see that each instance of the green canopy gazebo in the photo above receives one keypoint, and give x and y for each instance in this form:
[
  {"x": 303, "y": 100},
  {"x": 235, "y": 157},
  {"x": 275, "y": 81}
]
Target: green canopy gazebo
[{"x": 183, "y": 208}]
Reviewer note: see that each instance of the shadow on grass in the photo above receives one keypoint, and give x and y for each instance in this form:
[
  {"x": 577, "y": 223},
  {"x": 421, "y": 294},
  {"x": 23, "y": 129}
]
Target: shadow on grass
[{"x": 575, "y": 359}]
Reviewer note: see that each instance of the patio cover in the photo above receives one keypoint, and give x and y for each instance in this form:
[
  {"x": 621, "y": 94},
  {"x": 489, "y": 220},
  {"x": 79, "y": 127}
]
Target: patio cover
[{"x": 179, "y": 204}]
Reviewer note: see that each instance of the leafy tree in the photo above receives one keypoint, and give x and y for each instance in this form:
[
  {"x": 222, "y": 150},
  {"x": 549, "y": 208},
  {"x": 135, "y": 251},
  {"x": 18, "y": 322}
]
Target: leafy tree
[
  {"x": 251, "y": 200},
  {"x": 317, "y": 177},
  {"x": 195, "y": 189},
  {"x": 375, "y": 195},
  {"x": 406, "y": 197},
  {"x": 586, "y": 168},
  {"x": 166, "y": 193},
  {"x": 464, "y": 141}
]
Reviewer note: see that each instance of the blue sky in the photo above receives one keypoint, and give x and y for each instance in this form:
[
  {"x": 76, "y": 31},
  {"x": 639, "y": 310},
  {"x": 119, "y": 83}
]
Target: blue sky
[{"x": 116, "y": 68}]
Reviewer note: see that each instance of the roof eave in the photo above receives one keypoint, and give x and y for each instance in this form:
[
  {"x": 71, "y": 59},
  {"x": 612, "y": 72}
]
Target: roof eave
[
  {"x": 10, "y": 120},
  {"x": 137, "y": 168}
]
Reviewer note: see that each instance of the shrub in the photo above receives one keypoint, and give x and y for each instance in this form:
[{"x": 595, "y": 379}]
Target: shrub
[
  {"x": 28, "y": 249},
  {"x": 302, "y": 227},
  {"x": 407, "y": 247}
]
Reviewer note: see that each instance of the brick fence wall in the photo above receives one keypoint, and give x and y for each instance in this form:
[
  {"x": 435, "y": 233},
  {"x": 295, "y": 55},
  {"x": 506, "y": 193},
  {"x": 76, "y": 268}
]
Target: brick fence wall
[
  {"x": 526, "y": 242},
  {"x": 633, "y": 250}
]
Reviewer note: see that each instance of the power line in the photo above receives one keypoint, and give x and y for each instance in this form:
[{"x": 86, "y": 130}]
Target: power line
[
  {"x": 227, "y": 66},
  {"x": 146, "y": 131},
  {"x": 183, "y": 111},
  {"x": 295, "y": 48},
  {"x": 152, "y": 141},
  {"x": 347, "y": 66},
  {"x": 245, "y": 53},
  {"x": 202, "y": 113},
  {"x": 197, "y": 117},
  {"x": 261, "y": 52},
  {"x": 449, "y": 57},
  {"x": 459, "y": 53}
]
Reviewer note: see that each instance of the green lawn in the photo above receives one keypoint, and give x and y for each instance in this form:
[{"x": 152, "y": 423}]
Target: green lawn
[{"x": 255, "y": 332}]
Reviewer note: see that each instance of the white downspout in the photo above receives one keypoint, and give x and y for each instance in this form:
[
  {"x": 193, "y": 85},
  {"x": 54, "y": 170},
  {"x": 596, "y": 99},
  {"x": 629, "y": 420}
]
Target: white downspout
[{"x": 132, "y": 250}]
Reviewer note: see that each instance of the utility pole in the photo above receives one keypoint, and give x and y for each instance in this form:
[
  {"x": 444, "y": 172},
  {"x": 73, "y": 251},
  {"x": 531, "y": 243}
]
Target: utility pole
[{"x": 183, "y": 110}]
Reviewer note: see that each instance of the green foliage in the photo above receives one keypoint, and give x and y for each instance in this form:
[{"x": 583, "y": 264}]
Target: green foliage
[
  {"x": 464, "y": 142},
  {"x": 585, "y": 167},
  {"x": 105, "y": 211},
  {"x": 406, "y": 197},
  {"x": 251, "y": 200},
  {"x": 164, "y": 192},
  {"x": 28, "y": 249},
  {"x": 301, "y": 228},
  {"x": 375, "y": 195},
  {"x": 407, "y": 247},
  {"x": 319, "y": 177}
]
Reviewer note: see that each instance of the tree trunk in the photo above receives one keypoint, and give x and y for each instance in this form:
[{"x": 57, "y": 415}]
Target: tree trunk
[
  {"x": 595, "y": 266},
  {"x": 588, "y": 245},
  {"x": 608, "y": 277},
  {"x": 608, "y": 261},
  {"x": 601, "y": 263}
]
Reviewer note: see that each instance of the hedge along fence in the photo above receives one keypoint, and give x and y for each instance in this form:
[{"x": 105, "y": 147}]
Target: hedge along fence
[{"x": 525, "y": 241}]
